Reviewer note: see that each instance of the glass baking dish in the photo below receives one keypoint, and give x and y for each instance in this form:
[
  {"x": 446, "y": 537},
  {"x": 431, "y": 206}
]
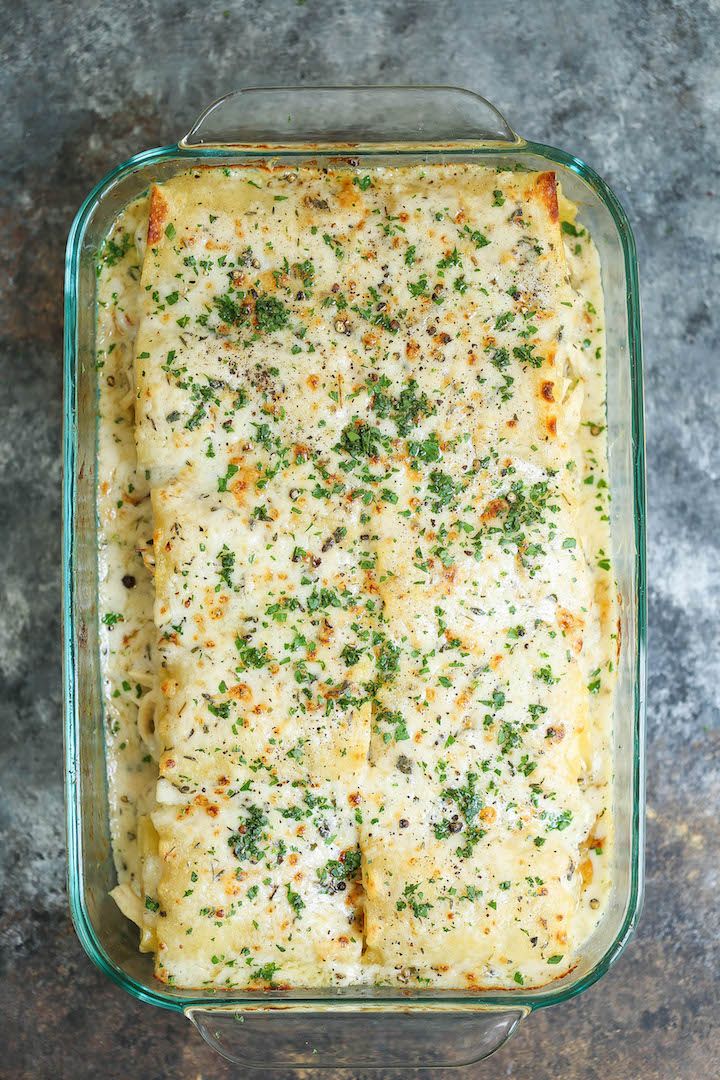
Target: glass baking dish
[{"x": 378, "y": 125}]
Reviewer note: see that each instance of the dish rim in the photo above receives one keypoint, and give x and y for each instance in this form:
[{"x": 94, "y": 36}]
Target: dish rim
[{"x": 354, "y": 997}]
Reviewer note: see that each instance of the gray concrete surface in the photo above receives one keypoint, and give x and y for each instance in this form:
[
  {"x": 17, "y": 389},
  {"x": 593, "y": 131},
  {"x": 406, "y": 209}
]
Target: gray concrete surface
[{"x": 633, "y": 88}]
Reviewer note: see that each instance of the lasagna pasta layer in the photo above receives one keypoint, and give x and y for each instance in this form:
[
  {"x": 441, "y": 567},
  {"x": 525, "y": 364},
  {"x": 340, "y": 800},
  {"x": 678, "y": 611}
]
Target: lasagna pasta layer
[{"x": 383, "y": 637}]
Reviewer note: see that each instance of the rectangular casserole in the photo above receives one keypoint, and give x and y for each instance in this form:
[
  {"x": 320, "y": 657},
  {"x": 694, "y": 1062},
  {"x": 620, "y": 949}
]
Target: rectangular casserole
[{"x": 380, "y": 127}]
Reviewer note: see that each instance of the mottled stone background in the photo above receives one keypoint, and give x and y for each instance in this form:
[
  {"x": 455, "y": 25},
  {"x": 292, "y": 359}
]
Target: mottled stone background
[{"x": 630, "y": 87}]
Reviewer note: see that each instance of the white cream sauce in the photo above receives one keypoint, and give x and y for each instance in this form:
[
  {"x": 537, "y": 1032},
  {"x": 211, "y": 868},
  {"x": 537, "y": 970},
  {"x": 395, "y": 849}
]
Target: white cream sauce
[{"x": 127, "y": 633}]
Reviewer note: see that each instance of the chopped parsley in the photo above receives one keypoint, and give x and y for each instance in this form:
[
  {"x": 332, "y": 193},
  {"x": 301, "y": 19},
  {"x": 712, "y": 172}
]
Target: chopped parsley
[
  {"x": 245, "y": 843},
  {"x": 414, "y": 899},
  {"x": 270, "y": 314},
  {"x": 336, "y": 872},
  {"x": 295, "y": 900}
]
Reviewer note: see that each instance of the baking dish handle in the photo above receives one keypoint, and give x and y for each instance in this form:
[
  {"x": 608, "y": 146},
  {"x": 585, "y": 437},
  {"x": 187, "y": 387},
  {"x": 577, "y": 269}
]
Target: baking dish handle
[
  {"x": 349, "y": 115},
  {"x": 395, "y": 1035}
]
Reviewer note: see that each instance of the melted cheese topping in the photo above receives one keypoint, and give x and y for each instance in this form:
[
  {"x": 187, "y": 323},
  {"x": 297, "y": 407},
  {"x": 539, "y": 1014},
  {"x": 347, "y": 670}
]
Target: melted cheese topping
[{"x": 366, "y": 736}]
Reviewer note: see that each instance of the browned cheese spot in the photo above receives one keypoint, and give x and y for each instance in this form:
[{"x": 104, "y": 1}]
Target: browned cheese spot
[{"x": 158, "y": 215}]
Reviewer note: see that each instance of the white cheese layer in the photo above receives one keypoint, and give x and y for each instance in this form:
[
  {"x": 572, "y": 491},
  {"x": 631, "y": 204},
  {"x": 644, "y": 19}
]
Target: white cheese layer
[{"x": 370, "y": 404}]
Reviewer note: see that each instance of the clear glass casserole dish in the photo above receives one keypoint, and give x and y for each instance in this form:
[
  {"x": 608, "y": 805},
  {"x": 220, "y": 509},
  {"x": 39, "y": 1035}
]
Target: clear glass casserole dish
[{"x": 325, "y": 1029}]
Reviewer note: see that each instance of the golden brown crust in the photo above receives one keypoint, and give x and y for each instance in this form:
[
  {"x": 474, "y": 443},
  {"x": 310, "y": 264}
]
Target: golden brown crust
[
  {"x": 158, "y": 215},
  {"x": 546, "y": 190}
]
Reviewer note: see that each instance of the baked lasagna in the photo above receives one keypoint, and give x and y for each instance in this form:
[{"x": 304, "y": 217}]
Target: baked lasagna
[{"x": 357, "y": 605}]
